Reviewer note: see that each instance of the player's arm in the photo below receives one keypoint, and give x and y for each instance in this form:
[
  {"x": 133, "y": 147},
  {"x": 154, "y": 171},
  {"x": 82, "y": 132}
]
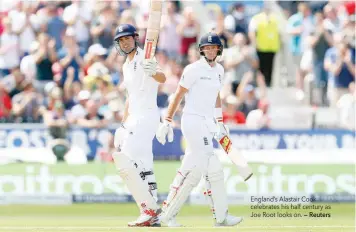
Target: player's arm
[
  {"x": 126, "y": 111},
  {"x": 151, "y": 68},
  {"x": 218, "y": 110},
  {"x": 165, "y": 128},
  {"x": 173, "y": 105},
  {"x": 160, "y": 77}
]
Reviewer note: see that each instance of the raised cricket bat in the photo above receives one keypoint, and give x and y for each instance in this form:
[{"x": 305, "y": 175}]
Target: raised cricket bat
[
  {"x": 153, "y": 28},
  {"x": 234, "y": 155}
]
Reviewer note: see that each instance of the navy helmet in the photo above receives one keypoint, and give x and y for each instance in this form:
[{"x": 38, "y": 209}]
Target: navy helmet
[
  {"x": 125, "y": 30},
  {"x": 210, "y": 39}
]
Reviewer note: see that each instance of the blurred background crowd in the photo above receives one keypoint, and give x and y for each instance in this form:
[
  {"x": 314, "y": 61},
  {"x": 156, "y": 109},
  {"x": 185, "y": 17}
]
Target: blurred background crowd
[{"x": 287, "y": 64}]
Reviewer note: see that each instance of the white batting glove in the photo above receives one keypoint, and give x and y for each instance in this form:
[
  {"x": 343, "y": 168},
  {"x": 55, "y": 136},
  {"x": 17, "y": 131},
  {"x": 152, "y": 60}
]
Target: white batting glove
[
  {"x": 149, "y": 67},
  {"x": 119, "y": 136},
  {"x": 222, "y": 129},
  {"x": 165, "y": 131}
]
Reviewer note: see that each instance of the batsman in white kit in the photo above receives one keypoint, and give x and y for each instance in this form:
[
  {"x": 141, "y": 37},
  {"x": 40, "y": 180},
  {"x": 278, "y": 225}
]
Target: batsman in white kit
[
  {"x": 133, "y": 140},
  {"x": 200, "y": 83}
]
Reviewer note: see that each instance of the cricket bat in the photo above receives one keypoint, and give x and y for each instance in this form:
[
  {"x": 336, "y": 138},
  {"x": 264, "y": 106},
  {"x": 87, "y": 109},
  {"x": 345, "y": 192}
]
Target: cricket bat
[
  {"x": 234, "y": 155},
  {"x": 153, "y": 28}
]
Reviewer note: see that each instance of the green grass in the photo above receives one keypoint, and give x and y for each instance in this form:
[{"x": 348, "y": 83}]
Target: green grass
[{"x": 114, "y": 217}]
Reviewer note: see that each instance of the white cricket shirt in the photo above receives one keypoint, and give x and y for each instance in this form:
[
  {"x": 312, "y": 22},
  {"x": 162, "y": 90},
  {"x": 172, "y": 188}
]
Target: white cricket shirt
[
  {"x": 139, "y": 100},
  {"x": 203, "y": 83}
]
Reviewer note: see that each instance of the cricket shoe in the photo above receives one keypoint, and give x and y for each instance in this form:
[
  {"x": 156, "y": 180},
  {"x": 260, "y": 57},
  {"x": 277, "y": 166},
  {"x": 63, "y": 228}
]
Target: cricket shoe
[
  {"x": 173, "y": 223},
  {"x": 149, "y": 218},
  {"x": 230, "y": 221}
]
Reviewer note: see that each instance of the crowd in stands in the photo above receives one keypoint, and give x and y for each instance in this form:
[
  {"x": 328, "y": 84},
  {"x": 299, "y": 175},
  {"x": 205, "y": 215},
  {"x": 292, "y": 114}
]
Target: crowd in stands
[{"x": 57, "y": 59}]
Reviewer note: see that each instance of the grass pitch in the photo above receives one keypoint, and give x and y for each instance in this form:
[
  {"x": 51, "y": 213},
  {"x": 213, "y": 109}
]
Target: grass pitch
[{"x": 114, "y": 217}]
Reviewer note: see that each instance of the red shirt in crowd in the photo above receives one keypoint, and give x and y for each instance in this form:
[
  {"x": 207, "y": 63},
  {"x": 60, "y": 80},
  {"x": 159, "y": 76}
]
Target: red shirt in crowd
[
  {"x": 237, "y": 118},
  {"x": 350, "y": 7},
  {"x": 5, "y": 105}
]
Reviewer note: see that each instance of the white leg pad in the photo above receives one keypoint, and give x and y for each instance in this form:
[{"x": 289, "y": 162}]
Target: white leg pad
[
  {"x": 215, "y": 189},
  {"x": 130, "y": 173},
  {"x": 216, "y": 195},
  {"x": 182, "y": 185}
]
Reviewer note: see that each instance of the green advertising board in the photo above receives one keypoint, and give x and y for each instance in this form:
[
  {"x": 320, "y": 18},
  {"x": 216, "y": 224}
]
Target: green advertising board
[{"x": 98, "y": 178}]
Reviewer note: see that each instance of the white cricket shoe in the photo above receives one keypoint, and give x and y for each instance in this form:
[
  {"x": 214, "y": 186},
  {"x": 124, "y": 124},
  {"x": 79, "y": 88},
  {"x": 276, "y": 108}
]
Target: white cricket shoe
[
  {"x": 230, "y": 221},
  {"x": 173, "y": 223},
  {"x": 149, "y": 218}
]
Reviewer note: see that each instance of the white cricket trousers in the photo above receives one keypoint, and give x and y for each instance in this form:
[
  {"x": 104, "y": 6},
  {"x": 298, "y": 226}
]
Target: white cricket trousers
[
  {"x": 198, "y": 132},
  {"x": 141, "y": 130}
]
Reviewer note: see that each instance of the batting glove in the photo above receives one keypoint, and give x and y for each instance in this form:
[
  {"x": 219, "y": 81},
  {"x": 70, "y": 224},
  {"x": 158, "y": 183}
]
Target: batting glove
[
  {"x": 149, "y": 67},
  {"x": 222, "y": 129},
  {"x": 165, "y": 131}
]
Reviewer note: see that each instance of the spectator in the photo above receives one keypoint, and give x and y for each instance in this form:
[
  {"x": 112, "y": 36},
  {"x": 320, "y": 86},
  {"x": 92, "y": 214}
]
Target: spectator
[
  {"x": 247, "y": 97},
  {"x": 12, "y": 83},
  {"x": 264, "y": 34},
  {"x": 96, "y": 72},
  {"x": 45, "y": 56},
  {"x": 9, "y": 49},
  {"x": 320, "y": 41},
  {"x": 71, "y": 89},
  {"x": 26, "y": 104},
  {"x": 57, "y": 123},
  {"x": 54, "y": 26},
  {"x": 188, "y": 29},
  {"x": 104, "y": 26},
  {"x": 95, "y": 54},
  {"x": 218, "y": 28},
  {"x": 26, "y": 26},
  {"x": 347, "y": 107},
  {"x": 52, "y": 93},
  {"x": 259, "y": 118},
  {"x": 235, "y": 22},
  {"x": 231, "y": 115},
  {"x": 28, "y": 63},
  {"x": 5, "y": 104},
  {"x": 78, "y": 110},
  {"x": 70, "y": 56},
  {"x": 173, "y": 77},
  {"x": 115, "y": 108},
  {"x": 92, "y": 119},
  {"x": 170, "y": 40},
  {"x": 78, "y": 16},
  {"x": 332, "y": 23},
  {"x": 162, "y": 98},
  {"x": 340, "y": 65},
  {"x": 299, "y": 27},
  {"x": 242, "y": 60},
  {"x": 102, "y": 92},
  {"x": 349, "y": 32},
  {"x": 193, "y": 54},
  {"x": 127, "y": 18}
]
